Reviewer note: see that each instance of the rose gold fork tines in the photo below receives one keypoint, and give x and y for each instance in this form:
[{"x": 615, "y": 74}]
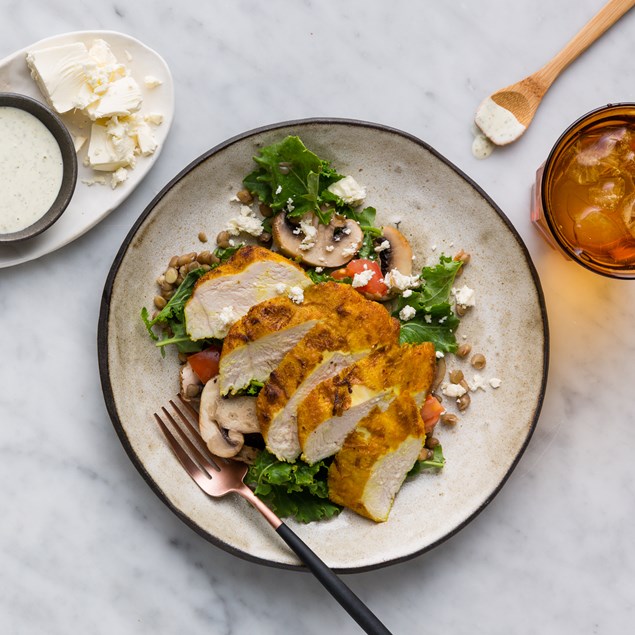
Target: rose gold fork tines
[{"x": 217, "y": 476}]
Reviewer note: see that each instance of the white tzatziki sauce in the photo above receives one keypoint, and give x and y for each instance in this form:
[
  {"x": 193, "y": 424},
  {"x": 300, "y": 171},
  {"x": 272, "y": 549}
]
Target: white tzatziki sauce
[{"x": 31, "y": 169}]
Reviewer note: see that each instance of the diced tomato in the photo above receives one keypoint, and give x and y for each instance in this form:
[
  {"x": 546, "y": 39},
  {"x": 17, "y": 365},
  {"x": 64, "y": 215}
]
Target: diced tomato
[
  {"x": 205, "y": 363},
  {"x": 431, "y": 412},
  {"x": 375, "y": 287}
]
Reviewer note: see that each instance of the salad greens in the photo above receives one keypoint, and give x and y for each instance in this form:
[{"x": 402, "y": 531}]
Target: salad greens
[
  {"x": 437, "y": 461},
  {"x": 292, "y": 489},
  {"x": 434, "y": 320},
  {"x": 292, "y": 178}
]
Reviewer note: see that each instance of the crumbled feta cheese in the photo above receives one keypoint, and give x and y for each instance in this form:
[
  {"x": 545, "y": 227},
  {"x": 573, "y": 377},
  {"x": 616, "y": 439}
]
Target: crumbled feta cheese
[
  {"x": 245, "y": 222},
  {"x": 396, "y": 280},
  {"x": 478, "y": 382},
  {"x": 227, "y": 316},
  {"x": 349, "y": 190},
  {"x": 118, "y": 176},
  {"x": 151, "y": 81},
  {"x": 329, "y": 248},
  {"x": 350, "y": 250},
  {"x": 382, "y": 246},
  {"x": 407, "y": 313},
  {"x": 407, "y": 293},
  {"x": 453, "y": 390},
  {"x": 464, "y": 296},
  {"x": 428, "y": 318},
  {"x": 310, "y": 234},
  {"x": 279, "y": 189},
  {"x": 296, "y": 294},
  {"x": 443, "y": 319},
  {"x": 154, "y": 118},
  {"x": 495, "y": 382},
  {"x": 280, "y": 288},
  {"x": 319, "y": 269},
  {"x": 346, "y": 231},
  {"x": 363, "y": 278},
  {"x": 439, "y": 354},
  {"x": 101, "y": 180},
  {"x": 290, "y": 205},
  {"x": 434, "y": 247}
]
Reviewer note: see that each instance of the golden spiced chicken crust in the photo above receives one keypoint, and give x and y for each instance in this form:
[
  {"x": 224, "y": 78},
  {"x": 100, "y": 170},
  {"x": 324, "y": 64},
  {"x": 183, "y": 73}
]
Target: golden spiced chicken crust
[
  {"x": 351, "y": 331},
  {"x": 368, "y": 471},
  {"x": 334, "y": 406}
]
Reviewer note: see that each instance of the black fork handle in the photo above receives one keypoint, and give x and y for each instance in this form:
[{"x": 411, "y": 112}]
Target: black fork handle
[{"x": 342, "y": 593}]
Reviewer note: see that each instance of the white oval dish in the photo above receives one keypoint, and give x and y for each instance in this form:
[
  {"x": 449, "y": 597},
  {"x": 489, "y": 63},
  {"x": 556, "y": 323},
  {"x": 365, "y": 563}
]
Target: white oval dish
[
  {"x": 90, "y": 203},
  {"x": 439, "y": 209}
]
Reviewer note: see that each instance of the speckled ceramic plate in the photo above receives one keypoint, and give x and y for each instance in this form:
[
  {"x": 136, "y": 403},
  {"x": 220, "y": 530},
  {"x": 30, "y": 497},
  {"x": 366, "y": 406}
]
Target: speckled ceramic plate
[{"x": 440, "y": 210}]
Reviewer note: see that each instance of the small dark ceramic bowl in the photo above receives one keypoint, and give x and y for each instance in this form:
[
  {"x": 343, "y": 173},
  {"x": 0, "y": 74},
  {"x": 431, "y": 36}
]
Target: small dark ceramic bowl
[{"x": 69, "y": 161}]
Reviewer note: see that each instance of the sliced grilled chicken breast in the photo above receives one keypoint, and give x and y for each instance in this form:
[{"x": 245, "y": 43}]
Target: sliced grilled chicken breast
[
  {"x": 334, "y": 407},
  {"x": 368, "y": 471},
  {"x": 321, "y": 354},
  {"x": 256, "y": 344},
  {"x": 225, "y": 294}
]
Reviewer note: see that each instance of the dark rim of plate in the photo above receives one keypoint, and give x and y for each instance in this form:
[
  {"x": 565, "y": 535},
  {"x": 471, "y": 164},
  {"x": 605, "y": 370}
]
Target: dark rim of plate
[
  {"x": 103, "y": 336},
  {"x": 69, "y": 160}
]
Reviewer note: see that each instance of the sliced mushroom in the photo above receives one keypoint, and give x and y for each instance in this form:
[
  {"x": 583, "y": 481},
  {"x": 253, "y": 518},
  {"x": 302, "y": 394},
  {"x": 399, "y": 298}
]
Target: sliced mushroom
[
  {"x": 190, "y": 384},
  {"x": 332, "y": 245},
  {"x": 398, "y": 255},
  {"x": 223, "y": 421}
]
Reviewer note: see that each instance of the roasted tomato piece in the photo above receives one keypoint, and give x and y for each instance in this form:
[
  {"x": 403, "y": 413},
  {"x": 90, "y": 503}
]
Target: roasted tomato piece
[
  {"x": 431, "y": 412},
  {"x": 375, "y": 287},
  {"x": 205, "y": 363}
]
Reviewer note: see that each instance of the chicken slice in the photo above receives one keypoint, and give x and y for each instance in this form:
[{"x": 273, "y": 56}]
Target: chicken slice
[
  {"x": 333, "y": 408},
  {"x": 225, "y": 294},
  {"x": 256, "y": 344},
  {"x": 368, "y": 471},
  {"x": 322, "y": 353}
]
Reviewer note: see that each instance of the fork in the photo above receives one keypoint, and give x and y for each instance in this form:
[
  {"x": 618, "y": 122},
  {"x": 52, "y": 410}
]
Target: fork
[{"x": 217, "y": 476}]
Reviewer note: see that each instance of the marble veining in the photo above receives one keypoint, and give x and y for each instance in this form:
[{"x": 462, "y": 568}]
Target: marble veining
[{"x": 85, "y": 546}]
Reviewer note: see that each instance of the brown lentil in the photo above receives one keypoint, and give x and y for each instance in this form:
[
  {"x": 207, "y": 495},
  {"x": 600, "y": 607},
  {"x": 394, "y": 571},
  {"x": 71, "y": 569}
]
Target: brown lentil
[
  {"x": 174, "y": 262},
  {"x": 193, "y": 390},
  {"x": 464, "y": 350},
  {"x": 167, "y": 293},
  {"x": 185, "y": 259},
  {"x": 244, "y": 196},
  {"x": 463, "y": 257},
  {"x": 204, "y": 257},
  {"x": 159, "y": 301},
  {"x": 456, "y": 376},
  {"x": 431, "y": 443},
  {"x": 171, "y": 275},
  {"x": 265, "y": 238},
  {"x": 265, "y": 210},
  {"x": 449, "y": 419},
  {"x": 202, "y": 236},
  {"x": 425, "y": 454},
  {"x": 461, "y": 309},
  {"x": 223, "y": 238},
  {"x": 478, "y": 361},
  {"x": 463, "y": 402},
  {"x": 193, "y": 265}
]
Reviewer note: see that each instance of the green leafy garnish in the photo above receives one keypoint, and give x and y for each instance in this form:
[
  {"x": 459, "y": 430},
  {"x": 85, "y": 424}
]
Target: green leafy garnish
[
  {"x": 293, "y": 179},
  {"x": 297, "y": 490},
  {"x": 172, "y": 319},
  {"x": 366, "y": 220},
  {"x": 434, "y": 320},
  {"x": 437, "y": 461}
]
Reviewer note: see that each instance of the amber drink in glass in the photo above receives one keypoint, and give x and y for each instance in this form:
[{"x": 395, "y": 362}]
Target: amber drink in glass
[{"x": 584, "y": 197}]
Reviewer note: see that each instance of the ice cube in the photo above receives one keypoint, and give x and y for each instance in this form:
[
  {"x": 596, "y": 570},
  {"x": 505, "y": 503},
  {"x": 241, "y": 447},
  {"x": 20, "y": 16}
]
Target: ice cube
[
  {"x": 607, "y": 193},
  {"x": 597, "y": 231}
]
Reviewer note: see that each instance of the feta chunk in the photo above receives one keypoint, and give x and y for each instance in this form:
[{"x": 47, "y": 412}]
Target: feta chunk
[
  {"x": 453, "y": 390},
  {"x": 382, "y": 246},
  {"x": 349, "y": 190},
  {"x": 464, "y": 296},
  {"x": 151, "y": 81},
  {"x": 495, "y": 382},
  {"x": 118, "y": 176},
  {"x": 121, "y": 98},
  {"x": 363, "y": 278},
  {"x": 245, "y": 222},
  {"x": 407, "y": 313},
  {"x": 108, "y": 153},
  {"x": 397, "y": 280},
  {"x": 296, "y": 294}
]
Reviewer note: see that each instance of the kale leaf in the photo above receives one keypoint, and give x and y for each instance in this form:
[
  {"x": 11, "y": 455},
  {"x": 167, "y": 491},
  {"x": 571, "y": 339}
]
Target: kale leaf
[
  {"x": 292, "y": 178},
  {"x": 297, "y": 490},
  {"x": 434, "y": 320}
]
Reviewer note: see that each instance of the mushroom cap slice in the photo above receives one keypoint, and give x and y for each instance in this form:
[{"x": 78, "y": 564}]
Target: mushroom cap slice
[
  {"x": 333, "y": 245},
  {"x": 221, "y": 441},
  {"x": 399, "y": 255}
]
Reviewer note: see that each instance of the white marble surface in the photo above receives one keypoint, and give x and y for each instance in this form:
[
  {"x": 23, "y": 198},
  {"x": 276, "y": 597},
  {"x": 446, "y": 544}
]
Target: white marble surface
[{"x": 85, "y": 546}]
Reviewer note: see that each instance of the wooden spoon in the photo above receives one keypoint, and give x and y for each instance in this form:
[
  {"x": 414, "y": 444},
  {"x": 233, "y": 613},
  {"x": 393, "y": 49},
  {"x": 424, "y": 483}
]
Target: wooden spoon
[{"x": 505, "y": 115}]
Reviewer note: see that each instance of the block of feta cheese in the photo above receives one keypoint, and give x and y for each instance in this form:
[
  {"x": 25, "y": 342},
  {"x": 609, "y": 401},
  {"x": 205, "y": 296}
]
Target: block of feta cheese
[{"x": 60, "y": 73}]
